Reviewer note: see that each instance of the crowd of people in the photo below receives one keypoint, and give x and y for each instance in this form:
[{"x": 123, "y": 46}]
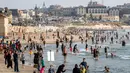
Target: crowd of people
[{"x": 11, "y": 54}]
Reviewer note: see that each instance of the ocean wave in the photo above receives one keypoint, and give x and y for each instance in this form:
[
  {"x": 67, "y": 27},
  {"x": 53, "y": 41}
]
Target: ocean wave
[{"x": 125, "y": 57}]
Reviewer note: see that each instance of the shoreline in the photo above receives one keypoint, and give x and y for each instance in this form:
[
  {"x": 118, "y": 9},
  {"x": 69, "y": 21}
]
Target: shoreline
[{"x": 36, "y": 32}]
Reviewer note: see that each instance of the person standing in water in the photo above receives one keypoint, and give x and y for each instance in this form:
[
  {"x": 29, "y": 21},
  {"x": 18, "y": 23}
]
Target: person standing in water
[
  {"x": 111, "y": 40},
  {"x": 123, "y": 43},
  {"x": 94, "y": 53},
  {"x": 116, "y": 35},
  {"x": 62, "y": 47},
  {"x": 70, "y": 43},
  {"x": 44, "y": 42},
  {"x": 51, "y": 69},
  {"x": 61, "y": 69},
  {"x": 97, "y": 53},
  {"x": 75, "y": 50},
  {"x": 92, "y": 40},
  {"x": 82, "y": 69},
  {"x": 105, "y": 50},
  {"x": 57, "y": 44},
  {"x": 65, "y": 53},
  {"x": 86, "y": 47},
  {"x": 91, "y": 50},
  {"x": 23, "y": 59},
  {"x": 84, "y": 63},
  {"x": 76, "y": 69}
]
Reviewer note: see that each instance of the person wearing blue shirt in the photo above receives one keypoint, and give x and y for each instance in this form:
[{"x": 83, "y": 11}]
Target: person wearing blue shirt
[{"x": 84, "y": 63}]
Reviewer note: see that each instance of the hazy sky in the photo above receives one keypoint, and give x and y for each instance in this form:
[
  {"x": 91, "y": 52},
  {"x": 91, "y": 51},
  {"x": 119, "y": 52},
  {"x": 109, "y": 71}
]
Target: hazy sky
[{"x": 27, "y": 4}]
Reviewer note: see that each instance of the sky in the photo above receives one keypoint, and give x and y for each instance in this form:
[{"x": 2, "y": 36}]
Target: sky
[{"x": 29, "y": 4}]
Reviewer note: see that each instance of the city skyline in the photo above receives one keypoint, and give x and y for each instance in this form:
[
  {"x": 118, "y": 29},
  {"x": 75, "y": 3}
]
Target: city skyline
[{"x": 29, "y": 4}]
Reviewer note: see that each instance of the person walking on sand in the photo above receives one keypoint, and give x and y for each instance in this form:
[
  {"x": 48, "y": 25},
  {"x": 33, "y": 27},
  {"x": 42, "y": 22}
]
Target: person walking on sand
[
  {"x": 9, "y": 60},
  {"x": 5, "y": 56},
  {"x": 15, "y": 56}
]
